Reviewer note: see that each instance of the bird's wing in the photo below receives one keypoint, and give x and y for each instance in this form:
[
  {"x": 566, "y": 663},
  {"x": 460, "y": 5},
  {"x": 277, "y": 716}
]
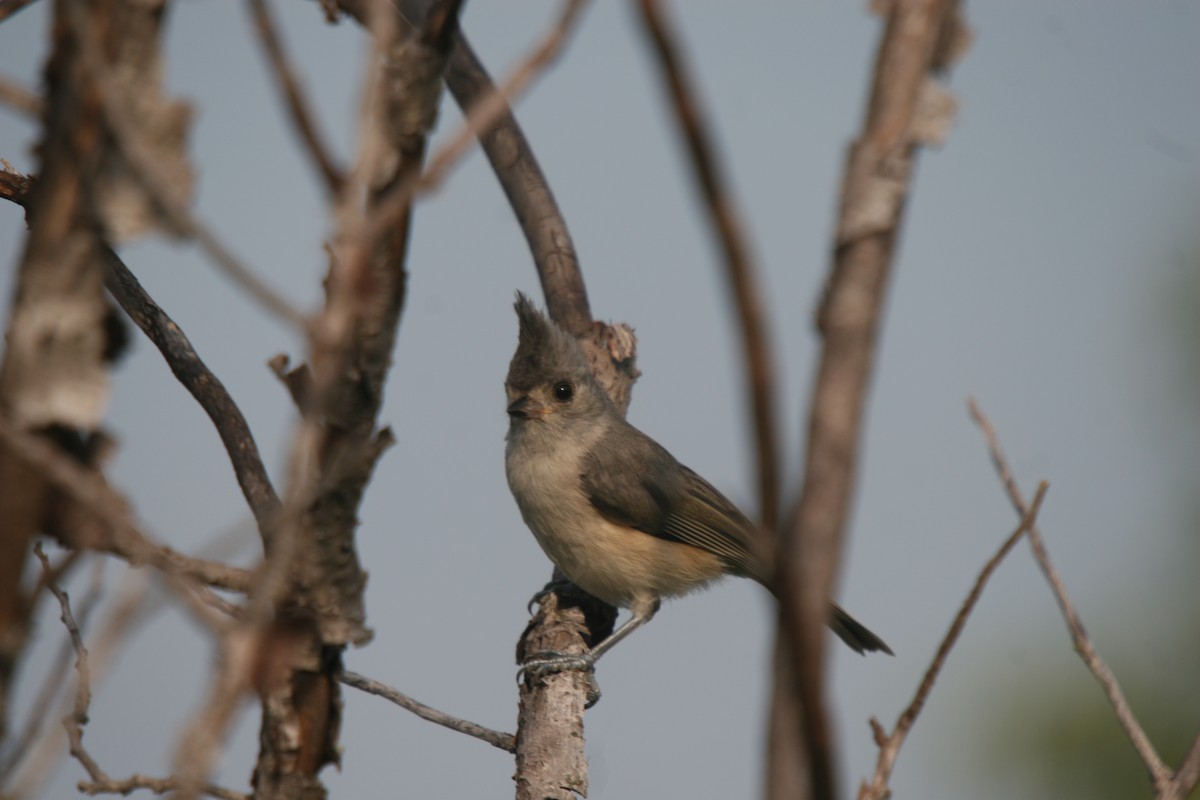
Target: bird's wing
[{"x": 640, "y": 484}]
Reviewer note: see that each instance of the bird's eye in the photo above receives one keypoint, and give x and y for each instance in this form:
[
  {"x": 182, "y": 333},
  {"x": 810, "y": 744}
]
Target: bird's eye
[{"x": 563, "y": 391}]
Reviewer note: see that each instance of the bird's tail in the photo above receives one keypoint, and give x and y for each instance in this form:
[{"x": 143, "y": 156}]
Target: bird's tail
[
  {"x": 857, "y": 636},
  {"x": 854, "y": 633}
]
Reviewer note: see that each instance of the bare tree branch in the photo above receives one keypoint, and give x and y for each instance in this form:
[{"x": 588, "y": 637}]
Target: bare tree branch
[
  {"x": 78, "y": 717},
  {"x": 135, "y": 782},
  {"x": 55, "y": 678},
  {"x": 202, "y": 384},
  {"x": 528, "y": 192},
  {"x": 889, "y": 744},
  {"x": 484, "y": 114},
  {"x": 122, "y": 538},
  {"x": 54, "y": 374},
  {"x": 504, "y": 741},
  {"x": 18, "y": 98},
  {"x": 309, "y": 605},
  {"x": 1188, "y": 774},
  {"x": 10, "y": 7},
  {"x": 303, "y": 120},
  {"x": 1160, "y": 774},
  {"x": 741, "y": 269},
  {"x": 566, "y": 616},
  {"x": 874, "y": 188}
]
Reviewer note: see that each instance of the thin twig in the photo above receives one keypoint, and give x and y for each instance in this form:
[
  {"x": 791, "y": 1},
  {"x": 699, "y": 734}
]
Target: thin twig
[
  {"x": 126, "y": 541},
  {"x": 129, "y": 608},
  {"x": 741, "y": 269},
  {"x": 78, "y": 717},
  {"x": 1159, "y": 772},
  {"x": 480, "y": 118},
  {"x": 202, "y": 384},
  {"x": 889, "y": 745},
  {"x": 1188, "y": 774},
  {"x": 483, "y": 114},
  {"x": 18, "y": 98},
  {"x": 55, "y": 677},
  {"x": 504, "y": 741},
  {"x": 303, "y": 120},
  {"x": 157, "y": 785}
]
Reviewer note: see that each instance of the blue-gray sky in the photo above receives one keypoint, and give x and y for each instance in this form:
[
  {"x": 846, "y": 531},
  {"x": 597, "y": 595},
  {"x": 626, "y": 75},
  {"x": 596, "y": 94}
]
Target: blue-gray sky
[{"x": 1042, "y": 258}]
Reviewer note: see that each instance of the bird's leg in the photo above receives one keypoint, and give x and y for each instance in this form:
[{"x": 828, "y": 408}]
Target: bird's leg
[{"x": 548, "y": 663}]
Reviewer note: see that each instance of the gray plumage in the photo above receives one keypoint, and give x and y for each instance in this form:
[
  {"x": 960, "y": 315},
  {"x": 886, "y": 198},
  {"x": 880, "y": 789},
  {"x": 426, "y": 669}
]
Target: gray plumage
[{"x": 610, "y": 506}]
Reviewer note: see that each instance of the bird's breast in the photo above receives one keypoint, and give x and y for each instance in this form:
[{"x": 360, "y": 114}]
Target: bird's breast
[{"x": 618, "y": 564}]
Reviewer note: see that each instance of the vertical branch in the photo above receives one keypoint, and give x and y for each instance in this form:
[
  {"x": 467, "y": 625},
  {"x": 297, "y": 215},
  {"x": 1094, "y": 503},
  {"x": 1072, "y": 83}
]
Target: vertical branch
[
  {"x": 550, "y": 729},
  {"x": 53, "y": 379},
  {"x": 740, "y": 268},
  {"x": 906, "y": 109},
  {"x": 315, "y": 581}
]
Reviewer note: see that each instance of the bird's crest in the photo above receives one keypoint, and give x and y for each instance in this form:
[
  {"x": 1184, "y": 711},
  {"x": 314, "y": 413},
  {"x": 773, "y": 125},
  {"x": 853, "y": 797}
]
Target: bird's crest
[{"x": 544, "y": 350}]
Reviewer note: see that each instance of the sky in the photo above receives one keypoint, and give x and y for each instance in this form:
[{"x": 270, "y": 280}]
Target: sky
[{"x": 1046, "y": 267}]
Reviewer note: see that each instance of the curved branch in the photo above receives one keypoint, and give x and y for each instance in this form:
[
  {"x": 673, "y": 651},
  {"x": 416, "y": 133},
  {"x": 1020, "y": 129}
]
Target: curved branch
[
  {"x": 201, "y": 383},
  {"x": 528, "y": 193},
  {"x": 741, "y": 270}
]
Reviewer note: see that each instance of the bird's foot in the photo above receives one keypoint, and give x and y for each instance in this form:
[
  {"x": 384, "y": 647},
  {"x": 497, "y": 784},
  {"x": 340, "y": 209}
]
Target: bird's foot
[{"x": 551, "y": 662}]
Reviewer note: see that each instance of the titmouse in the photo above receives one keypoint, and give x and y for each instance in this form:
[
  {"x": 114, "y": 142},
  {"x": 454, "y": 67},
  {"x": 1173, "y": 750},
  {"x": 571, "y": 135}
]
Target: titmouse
[{"x": 614, "y": 511}]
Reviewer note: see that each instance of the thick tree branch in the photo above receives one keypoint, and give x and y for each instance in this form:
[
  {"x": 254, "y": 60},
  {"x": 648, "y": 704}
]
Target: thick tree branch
[
  {"x": 878, "y": 171},
  {"x": 53, "y": 379},
  {"x": 309, "y": 606}
]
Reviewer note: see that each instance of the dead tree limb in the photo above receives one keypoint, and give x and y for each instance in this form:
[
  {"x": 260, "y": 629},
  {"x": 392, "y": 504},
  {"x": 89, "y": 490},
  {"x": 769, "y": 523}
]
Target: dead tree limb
[{"x": 907, "y": 108}]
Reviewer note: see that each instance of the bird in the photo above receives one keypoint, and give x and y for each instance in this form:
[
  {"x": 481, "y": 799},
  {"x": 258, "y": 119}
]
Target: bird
[{"x": 611, "y": 508}]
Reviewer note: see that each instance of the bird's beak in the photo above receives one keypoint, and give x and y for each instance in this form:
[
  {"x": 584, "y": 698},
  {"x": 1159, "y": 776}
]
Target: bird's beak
[{"x": 527, "y": 408}]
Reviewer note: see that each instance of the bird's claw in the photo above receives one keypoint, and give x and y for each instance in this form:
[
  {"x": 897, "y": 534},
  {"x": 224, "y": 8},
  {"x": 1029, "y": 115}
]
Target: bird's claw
[{"x": 550, "y": 662}]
